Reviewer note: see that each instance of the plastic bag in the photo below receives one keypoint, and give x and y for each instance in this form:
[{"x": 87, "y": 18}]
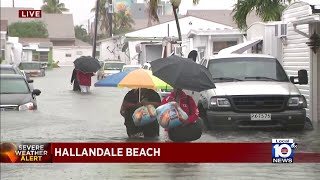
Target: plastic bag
[
  {"x": 170, "y": 115},
  {"x": 144, "y": 115}
]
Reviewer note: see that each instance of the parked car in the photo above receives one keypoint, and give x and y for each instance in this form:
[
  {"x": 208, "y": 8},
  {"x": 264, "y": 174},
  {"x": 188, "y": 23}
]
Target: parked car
[
  {"x": 16, "y": 93},
  {"x": 109, "y": 68},
  {"x": 162, "y": 92},
  {"x": 33, "y": 68},
  {"x": 252, "y": 91},
  {"x": 128, "y": 68},
  {"x": 11, "y": 69}
]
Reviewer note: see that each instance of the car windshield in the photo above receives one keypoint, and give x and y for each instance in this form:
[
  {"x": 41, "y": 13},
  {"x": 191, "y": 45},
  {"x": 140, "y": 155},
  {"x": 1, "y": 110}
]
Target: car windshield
[
  {"x": 7, "y": 71},
  {"x": 129, "y": 69},
  {"x": 29, "y": 66},
  {"x": 247, "y": 69},
  {"x": 113, "y": 66},
  {"x": 14, "y": 86}
]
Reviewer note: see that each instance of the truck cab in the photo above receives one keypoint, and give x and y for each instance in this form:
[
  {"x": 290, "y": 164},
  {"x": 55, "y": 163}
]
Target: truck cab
[
  {"x": 108, "y": 68},
  {"x": 251, "y": 91}
]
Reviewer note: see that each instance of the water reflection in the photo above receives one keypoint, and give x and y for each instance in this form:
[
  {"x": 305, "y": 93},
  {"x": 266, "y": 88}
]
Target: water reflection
[{"x": 66, "y": 116}]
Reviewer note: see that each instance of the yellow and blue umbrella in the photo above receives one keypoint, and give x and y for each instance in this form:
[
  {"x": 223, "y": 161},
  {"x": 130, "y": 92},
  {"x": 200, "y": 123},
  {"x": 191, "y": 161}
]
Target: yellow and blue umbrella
[{"x": 136, "y": 79}]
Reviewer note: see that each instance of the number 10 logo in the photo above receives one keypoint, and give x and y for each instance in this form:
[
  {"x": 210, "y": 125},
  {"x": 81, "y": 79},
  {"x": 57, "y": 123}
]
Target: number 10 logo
[{"x": 282, "y": 151}]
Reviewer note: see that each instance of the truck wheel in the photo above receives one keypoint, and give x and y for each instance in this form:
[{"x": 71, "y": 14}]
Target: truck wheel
[{"x": 203, "y": 116}]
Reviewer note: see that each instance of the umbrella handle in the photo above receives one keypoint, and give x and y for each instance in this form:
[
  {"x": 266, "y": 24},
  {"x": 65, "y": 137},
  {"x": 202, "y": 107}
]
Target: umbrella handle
[{"x": 139, "y": 94}]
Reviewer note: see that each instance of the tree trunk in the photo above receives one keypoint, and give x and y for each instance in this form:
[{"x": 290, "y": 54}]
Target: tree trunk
[{"x": 177, "y": 22}]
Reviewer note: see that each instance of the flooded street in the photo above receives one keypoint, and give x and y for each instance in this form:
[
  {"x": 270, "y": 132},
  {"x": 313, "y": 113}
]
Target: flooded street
[{"x": 66, "y": 116}]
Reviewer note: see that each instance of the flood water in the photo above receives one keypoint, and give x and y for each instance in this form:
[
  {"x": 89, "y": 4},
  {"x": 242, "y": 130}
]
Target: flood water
[{"x": 66, "y": 116}]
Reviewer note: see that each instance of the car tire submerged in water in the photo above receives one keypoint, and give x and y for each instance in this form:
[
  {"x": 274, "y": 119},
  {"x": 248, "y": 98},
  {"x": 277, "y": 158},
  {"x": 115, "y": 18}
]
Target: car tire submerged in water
[{"x": 203, "y": 116}]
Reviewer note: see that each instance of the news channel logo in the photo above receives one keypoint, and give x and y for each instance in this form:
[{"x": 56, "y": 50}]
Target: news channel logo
[{"x": 283, "y": 150}]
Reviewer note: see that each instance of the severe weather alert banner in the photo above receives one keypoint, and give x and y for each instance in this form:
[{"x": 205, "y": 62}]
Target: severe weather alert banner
[{"x": 152, "y": 153}]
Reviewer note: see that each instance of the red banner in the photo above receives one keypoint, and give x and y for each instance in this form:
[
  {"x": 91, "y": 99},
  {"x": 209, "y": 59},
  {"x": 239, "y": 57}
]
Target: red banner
[{"x": 145, "y": 153}]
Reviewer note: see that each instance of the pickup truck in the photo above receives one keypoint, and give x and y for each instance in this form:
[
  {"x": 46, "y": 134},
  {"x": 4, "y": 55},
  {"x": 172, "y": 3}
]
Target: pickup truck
[{"x": 251, "y": 91}]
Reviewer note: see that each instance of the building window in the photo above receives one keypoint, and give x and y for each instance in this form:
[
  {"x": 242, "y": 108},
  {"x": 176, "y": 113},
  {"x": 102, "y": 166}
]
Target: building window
[
  {"x": 219, "y": 45},
  {"x": 79, "y": 53},
  {"x": 35, "y": 56},
  {"x": 44, "y": 56},
  {"x": 68, "y": 55}
]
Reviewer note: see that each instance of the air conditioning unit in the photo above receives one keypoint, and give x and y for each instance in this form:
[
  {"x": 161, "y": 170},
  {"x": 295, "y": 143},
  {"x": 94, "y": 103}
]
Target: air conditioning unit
[{"x": 281, "y": 30}]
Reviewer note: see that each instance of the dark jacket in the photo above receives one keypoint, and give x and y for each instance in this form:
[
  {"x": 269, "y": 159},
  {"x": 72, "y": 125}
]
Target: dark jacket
[{"x": 74, "y": 80}]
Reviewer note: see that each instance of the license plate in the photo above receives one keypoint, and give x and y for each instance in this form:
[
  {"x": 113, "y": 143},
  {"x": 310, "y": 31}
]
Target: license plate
[{"x": 260, "y": 116}]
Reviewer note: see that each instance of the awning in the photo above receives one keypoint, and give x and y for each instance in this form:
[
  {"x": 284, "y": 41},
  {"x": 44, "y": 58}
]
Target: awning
[
  {"x": 307, "y": 19},
  {"x": 240, "y": 48}
]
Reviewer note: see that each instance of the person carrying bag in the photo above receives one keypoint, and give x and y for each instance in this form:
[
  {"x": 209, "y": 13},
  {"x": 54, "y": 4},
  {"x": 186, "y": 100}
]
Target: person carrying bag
[{"x": 192, "y": 129}]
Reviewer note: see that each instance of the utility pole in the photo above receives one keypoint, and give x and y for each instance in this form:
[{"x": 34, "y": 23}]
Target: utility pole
[
  {"x": 95, "y": 30},
  {"x": 109, "y": 9},
  {"x": 13, "y": 3}
]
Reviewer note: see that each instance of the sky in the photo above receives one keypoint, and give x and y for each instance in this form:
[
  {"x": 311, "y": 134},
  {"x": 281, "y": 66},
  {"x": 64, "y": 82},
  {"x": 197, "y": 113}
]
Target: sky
[{"x": 81, "y": 9}]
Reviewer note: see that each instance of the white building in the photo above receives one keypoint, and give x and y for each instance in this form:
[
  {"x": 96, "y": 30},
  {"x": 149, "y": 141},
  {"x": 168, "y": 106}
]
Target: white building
[
  {"x": 210, "y": 42},
  {"x": 303, "y": 22},
  {"x": 67, "y": 54},
  {"x": 4, "y": 37},
  {"x": 114, "y": 48},
  {"x": 156, "y": 33}
]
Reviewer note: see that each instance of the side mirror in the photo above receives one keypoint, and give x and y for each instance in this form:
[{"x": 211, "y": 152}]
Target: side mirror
[
  {"x": 36, "y": 92},
  {"x": 30, "y": 81},
  {"x": 303, "y": 76}
]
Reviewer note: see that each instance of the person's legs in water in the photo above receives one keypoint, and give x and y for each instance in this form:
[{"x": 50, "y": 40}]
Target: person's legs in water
[
  {"x": 87, "y": 89},
  {"x": 83, "y": 89},
  {"x": 151, "y": 130},
  {"x": 132, "y": 130}
]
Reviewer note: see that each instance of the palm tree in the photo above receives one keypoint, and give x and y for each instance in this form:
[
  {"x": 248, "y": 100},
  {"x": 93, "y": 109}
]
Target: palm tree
[
  {"x": 122, "y": 21},
  {"x": 53, "y": 7},
  {"x": 153, "y": 12},
  {"x": 103, "y": 16},
  {"x": 267, "y": 10},
  {"x": 81, "y": 33}
]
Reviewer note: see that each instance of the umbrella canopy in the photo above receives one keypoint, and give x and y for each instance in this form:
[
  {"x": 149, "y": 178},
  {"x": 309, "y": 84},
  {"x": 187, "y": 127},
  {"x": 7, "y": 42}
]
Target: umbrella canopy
[
  {"x": 135, "y": 79},
  {"x": 87, "y": 64},
  {"x": 182, "y": 73}
]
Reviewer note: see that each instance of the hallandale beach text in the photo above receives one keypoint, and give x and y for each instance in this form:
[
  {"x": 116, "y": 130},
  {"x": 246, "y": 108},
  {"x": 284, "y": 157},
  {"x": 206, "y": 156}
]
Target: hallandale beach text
[{"x": 112, "y": 152}]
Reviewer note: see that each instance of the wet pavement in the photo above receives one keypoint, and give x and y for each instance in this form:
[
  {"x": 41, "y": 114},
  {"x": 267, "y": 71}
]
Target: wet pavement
[{"x": 66, "y": 116}]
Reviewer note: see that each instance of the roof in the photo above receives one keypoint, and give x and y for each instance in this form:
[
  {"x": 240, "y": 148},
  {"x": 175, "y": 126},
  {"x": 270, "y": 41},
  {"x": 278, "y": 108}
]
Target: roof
[
  {"x": 186, "y": 24},
  {"x": 6, "y": 66},
  {"x": 241, "y": 55},
  {"x": 143, "y": 22},
  {"x": 221, "y": 16},
  {"x": 42, "y": 42},
  {"x": 60, "y": 26},
  {"x": 3, "y": 25},
  {"x": 11, "y": 76},
  {"x": 137, "y": 65},
  {"x": 216, "y": 32},
  {"x": 81, "y": 43}
]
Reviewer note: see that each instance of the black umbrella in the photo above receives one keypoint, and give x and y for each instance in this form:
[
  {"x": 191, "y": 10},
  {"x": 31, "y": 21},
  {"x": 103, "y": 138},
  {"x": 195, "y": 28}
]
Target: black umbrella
[
  {"x": 182, "y": 73},
  {"x": 87, "y": 64}
]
